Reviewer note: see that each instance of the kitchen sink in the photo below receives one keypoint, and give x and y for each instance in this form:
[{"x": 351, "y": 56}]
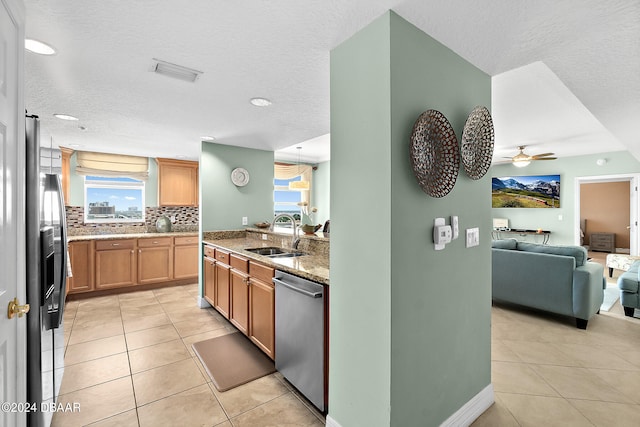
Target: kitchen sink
[{"x": 273, "y": 252}]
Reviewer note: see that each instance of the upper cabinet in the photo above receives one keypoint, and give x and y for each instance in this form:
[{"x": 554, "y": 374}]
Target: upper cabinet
[
  {"x": 177, "y": 182},
  {"x": 66, "y": 174}
]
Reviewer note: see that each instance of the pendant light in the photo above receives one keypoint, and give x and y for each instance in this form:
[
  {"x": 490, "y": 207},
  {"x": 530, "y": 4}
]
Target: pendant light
[{"x": 302, "y": 184}]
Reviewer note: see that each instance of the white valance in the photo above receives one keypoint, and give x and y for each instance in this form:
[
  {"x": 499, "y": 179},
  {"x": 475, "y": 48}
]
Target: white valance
[
  {"x": 104, "y": 164},
  {"x": 286, "y": 171}
]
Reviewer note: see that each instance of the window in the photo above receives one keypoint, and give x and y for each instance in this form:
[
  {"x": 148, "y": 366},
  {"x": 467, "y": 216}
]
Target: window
[
  {"x": 285, "y": 200},
  {"x": 113, "y": 199}
]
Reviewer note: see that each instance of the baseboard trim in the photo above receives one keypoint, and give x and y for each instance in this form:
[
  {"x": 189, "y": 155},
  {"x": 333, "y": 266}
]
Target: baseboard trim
[
  {"x": 203, "y": 303},
  {"x": 331, "y": 422},
  {"x": 471, "y": 410}
]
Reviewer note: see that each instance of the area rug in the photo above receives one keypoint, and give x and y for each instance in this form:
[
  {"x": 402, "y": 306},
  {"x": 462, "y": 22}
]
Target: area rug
[
  {"x": 232, "y": 360},
  {"x": 611, "y": 295}
]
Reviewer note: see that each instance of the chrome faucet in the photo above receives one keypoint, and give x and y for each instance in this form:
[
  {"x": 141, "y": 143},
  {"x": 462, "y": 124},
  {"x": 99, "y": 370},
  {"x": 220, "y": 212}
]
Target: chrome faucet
[{"x": 294, "y": 239}]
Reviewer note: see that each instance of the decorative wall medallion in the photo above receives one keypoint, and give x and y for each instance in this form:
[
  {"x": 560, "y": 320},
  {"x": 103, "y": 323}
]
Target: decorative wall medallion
[
  {"x": 240, "y": 177},
  {"x": 434, "y": 153},
  {"x": 477, "y": 143}
]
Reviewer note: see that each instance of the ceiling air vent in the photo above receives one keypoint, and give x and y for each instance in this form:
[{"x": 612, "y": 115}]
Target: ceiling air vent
[{"x": 176, "y": 71}]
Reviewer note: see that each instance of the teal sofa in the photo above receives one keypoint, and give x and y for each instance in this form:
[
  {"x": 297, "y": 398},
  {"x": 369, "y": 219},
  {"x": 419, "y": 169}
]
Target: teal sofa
[
  {"x": 558, "y": 279},
  {"x": 629, "y": 284}
]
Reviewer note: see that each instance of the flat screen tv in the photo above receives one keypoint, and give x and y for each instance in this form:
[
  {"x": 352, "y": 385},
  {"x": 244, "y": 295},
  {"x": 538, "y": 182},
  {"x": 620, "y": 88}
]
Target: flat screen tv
[{"x": 531, "y": 191}]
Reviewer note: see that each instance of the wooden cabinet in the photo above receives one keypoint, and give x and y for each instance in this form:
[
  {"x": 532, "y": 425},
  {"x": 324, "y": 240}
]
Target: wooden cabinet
[
  {"x": 222, "y": 295},
  {"x": 209, "y": 273},
  {"x": 81, "y": 259},
  {"x": 115, "y": 263},
  {"x": 239, "y": 288},
  {"x": 605, "y": 242},
  {"x": 66, "y": 154},
  {"x": 262, "y": 308},
  {"x": 155, "y": 260},
  {"x": 222, "y": 283},
  {"x": 243, "y": 292},
  {"x": 185, "y": 257},
  {"x": 177, "y": 182}
]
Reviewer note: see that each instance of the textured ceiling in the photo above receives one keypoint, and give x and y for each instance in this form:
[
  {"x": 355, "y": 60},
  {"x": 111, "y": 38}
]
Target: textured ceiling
[{"x": 566, "y": 73}]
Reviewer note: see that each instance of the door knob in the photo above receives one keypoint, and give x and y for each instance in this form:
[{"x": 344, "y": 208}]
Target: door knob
[{"x": 16, "y": 308}]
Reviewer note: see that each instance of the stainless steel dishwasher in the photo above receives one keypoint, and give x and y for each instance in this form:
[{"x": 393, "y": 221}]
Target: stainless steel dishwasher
[{"x": 300, "y": 335}]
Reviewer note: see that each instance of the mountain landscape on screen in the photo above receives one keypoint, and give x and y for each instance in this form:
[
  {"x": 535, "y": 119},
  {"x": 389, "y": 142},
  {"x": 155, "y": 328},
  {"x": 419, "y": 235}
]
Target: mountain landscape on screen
[{"x": 535, "y": 191}]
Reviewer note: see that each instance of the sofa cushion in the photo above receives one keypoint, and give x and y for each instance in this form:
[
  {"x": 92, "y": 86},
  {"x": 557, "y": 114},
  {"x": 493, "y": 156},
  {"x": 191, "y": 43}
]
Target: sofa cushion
[
  {"x": 504, "y": 244},
  {"x": 577, "y": 252}
]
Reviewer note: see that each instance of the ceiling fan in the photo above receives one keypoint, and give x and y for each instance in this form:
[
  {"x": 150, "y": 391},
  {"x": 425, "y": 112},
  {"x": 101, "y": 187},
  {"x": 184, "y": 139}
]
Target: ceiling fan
[{"x": 521, "y": 159}]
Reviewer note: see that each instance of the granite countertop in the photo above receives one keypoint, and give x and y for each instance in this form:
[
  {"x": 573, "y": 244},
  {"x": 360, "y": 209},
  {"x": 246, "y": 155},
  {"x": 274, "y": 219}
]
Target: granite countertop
[
  {"x": 312, "y": 267},
  {"x": 129, "y": 236}
]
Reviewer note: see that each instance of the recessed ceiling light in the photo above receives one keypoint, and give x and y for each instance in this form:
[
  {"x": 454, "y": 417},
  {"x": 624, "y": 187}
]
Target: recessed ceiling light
[
  {"x": 82, "y": 128},
  {"x": 260, "y": 102},
  {"x": 176, "y": 71},
  {"x": 65, "y": 117},
  {"x": 38, "y": 47},
  {"x": 207, "y": 138}
]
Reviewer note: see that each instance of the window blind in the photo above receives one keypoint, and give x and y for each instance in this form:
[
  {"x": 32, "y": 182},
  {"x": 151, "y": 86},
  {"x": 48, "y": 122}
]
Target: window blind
[{"x": 105, "y": 164}]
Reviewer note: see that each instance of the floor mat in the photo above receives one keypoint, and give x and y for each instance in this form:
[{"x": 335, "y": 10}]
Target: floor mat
[{"x": 232, "y": 360}]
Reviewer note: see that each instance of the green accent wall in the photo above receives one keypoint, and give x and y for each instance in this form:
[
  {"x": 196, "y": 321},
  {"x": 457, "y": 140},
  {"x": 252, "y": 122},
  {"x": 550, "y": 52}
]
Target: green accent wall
[
  {"x": 360, "y": 291},
  {"x": 410, "y": 326},
  {"x": 569, "y": 168},
  {"x": 222, "y": 204},
  {"x": 321, "y": 192}
]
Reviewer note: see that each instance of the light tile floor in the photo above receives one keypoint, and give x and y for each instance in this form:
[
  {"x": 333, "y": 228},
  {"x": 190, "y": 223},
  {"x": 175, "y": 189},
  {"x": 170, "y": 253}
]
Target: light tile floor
[
  {"x": 129, "y": 362},
  {"x": 546, "y": 372}
]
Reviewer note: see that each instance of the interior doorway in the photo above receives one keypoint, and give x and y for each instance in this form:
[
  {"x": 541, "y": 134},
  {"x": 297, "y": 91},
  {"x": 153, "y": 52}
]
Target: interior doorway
[{"x": 603, "y": 206}]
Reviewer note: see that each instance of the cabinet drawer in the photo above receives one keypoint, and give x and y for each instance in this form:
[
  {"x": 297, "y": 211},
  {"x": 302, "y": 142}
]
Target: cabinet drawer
[
  {"x": 153, "y": 242},
  {"x": 261, "y": 272},
  {"x": 209, "y": 252},
  {"x": 102, "y": 245},
  {"x": 239, "y": 263},
  {"x": 189, "y": 240},
  {"x": 222, "y": 256}
]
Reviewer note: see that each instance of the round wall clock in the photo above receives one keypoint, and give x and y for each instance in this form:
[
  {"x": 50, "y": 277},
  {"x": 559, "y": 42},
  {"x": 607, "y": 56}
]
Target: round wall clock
[{"x": 240, "y": 177}]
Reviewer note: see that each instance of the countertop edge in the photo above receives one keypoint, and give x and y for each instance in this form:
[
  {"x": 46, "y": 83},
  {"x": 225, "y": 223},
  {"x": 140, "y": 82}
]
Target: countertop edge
[{"x": 270, "y": 262}]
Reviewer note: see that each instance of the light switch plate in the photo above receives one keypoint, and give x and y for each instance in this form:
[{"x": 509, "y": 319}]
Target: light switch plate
[
  {"x": 473, "y": 237},
  {"x": 245, "y": 220}
]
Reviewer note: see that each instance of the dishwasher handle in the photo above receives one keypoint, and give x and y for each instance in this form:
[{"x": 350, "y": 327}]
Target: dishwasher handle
[{"x": 293, "y": 287}]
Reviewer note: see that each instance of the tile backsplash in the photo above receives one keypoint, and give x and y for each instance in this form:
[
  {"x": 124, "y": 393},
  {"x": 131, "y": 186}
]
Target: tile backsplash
[{"x": 184, "y": 218}]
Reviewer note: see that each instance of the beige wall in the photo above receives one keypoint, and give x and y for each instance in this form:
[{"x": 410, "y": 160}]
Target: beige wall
[{"x": 605, "y": 207}]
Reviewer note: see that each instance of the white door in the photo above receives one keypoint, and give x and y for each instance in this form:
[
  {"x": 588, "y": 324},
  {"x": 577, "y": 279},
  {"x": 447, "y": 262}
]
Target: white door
[{"x": 12, "y": 233}]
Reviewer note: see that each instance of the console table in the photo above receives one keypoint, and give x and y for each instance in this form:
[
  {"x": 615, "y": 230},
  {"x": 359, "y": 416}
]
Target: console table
[
  {"x": 497, "y": 234},
  {"x": 604, "y": 242}
]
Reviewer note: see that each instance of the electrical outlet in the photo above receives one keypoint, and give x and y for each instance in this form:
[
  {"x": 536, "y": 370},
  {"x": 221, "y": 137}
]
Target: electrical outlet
[
  {"x": 265, "y": 236},
  {"x": 245, "y": 220}
]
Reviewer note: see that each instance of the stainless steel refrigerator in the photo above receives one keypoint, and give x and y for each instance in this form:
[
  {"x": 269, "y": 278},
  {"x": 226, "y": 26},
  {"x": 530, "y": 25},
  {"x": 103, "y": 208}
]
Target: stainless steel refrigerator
[{"x": 46, "y": 280}]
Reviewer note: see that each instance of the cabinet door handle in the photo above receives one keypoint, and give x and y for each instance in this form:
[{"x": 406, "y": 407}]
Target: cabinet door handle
[
  {"x": 132, "y": 251},
  {"x": 115, "y": 244},
  {"x": 139, "y": 251},
  {"x": 155, "y": 243}
]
